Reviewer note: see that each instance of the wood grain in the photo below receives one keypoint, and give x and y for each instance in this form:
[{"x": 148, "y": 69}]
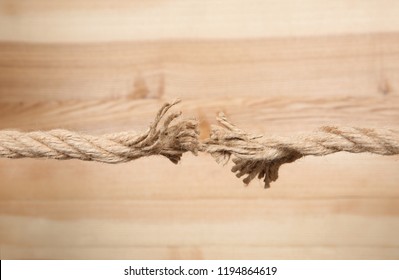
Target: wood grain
[
  {"x": 364, "y": 65},
  {"x": 274, "y": 67}
]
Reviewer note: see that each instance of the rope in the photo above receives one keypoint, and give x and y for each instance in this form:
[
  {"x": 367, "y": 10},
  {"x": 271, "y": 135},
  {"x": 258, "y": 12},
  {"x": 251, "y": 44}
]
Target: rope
[
  {"x": 161, "y": 138},
  {"x": 253, "y": 156},
  {"x": 259, "y": 156}
]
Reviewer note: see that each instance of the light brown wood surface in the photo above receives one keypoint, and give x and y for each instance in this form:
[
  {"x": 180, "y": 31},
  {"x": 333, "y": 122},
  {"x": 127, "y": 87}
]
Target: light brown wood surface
[{"x": 275, "y": 67}]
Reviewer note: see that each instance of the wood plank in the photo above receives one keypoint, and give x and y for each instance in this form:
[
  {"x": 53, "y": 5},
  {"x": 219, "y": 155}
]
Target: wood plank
[
  {"x": 273, "y": 115},
  {"x": 332, "y": 224},
  {"x": 202, "y": 252},
  {"x": 340, "y": 175},
  {"x": 345, "y": 65},
  {"x": 104, "y": 20}
]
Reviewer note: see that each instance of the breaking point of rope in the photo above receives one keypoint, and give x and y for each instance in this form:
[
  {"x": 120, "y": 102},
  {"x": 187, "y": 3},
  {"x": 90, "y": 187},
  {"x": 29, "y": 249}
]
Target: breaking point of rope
[{"x": 253, "y": 155}]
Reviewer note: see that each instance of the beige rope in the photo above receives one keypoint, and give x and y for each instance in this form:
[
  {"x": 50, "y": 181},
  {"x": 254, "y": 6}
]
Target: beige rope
[
  {"x": 161, "y": 138},
  {"x": 253, "y": 156},
  {"x": 258, "y": 156}
]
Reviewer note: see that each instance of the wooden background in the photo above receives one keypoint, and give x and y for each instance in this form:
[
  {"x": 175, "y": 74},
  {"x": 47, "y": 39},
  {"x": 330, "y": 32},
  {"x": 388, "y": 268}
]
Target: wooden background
[{"x": 272, "y": 66}]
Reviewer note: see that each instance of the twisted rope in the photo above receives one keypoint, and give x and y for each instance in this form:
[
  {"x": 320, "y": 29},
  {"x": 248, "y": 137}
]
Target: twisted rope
[
  {"x": 262, "y": 156},
  {"x": 161, "y": 138},
  {"x": 253, "y": 156}
]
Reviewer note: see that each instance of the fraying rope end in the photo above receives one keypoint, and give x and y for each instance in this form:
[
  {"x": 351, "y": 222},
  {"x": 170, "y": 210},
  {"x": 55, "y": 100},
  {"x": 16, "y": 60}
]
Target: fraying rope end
[
  {"x": 226, "y": 141},
  {"x": 172, "y": 141}
]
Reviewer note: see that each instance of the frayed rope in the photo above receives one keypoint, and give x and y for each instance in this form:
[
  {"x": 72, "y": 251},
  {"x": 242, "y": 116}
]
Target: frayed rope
[
  {"x": 262, "y": 156},
  {"x": 161, "y": 138},
  {"x": 253, "y": 156}
]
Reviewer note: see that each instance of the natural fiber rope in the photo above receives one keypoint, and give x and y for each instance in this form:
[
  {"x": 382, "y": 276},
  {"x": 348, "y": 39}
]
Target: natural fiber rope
[
  {"x": 259, "y": 156},
  {"x": 162, "y": 138},
  {"x": 254, "y": 156}
]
